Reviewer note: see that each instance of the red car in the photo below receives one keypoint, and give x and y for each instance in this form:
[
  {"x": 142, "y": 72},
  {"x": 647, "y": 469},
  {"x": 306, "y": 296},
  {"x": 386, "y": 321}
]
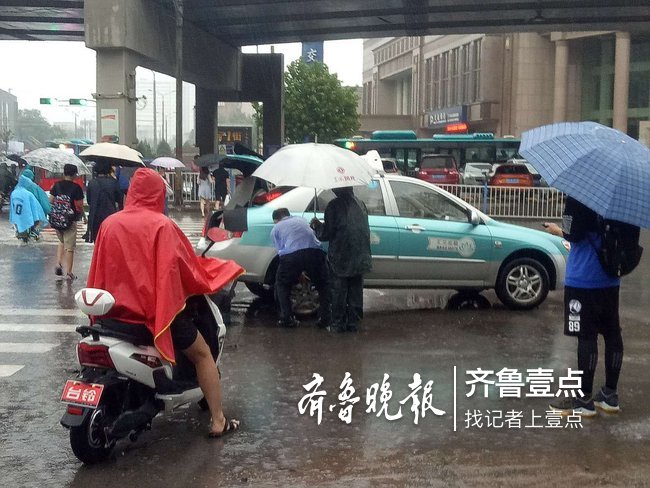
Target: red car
[
  {"x": 439, "y": 169},
  {"x": 511, "y": 175}
]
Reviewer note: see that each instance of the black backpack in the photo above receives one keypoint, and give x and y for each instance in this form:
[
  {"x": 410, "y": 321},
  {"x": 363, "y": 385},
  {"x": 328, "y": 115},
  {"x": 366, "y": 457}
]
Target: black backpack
[
  {"x": 62, "y": 214},
  {"x": 619, "y": 251}
]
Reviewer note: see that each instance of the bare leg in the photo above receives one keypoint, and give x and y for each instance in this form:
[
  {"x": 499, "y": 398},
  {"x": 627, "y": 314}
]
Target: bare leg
[
  {"x": 59, "y": 254},
  {"x": 69, "y": 261},
  {"x": 208, "y": 376},
  {"x": 202, "y": 207}
]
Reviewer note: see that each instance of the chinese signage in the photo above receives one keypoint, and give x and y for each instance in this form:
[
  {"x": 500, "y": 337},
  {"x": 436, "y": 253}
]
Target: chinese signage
[
  {"x": 312, "y": 52},
  {"x": 449, "y": 115}
]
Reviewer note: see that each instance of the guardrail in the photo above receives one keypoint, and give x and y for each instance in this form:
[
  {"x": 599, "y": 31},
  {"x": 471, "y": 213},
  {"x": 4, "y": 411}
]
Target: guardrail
[
  {"x": 512, "y": 202},
  {"x": 495, "y": 201}
]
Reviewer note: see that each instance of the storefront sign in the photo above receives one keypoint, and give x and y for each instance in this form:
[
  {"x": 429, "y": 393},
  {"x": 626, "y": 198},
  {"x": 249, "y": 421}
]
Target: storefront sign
[{"x": 450, "y": 115}]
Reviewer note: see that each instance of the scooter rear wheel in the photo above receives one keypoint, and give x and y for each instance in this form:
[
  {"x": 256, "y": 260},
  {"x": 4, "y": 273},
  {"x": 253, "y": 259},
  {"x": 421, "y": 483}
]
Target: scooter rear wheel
[{"x": 88, "y": 441}]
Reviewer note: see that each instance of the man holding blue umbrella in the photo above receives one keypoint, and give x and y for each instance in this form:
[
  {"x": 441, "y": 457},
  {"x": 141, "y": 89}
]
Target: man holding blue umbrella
[{"x": 603, "y": 172}]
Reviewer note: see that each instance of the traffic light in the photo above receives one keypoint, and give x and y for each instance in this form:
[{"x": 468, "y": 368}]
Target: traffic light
[
  {"x": 77, "y": 101},
  {"x": 46, "y": 101}
]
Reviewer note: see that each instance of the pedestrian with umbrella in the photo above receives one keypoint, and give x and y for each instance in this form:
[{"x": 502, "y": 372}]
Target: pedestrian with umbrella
[
  {"x": 604, "y": 174},
  {"x": 325, "y": 166},
  {"x": 104, "y": 198}
]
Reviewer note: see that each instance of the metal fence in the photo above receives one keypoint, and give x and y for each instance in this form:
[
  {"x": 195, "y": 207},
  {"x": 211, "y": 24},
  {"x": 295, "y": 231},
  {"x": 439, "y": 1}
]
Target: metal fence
[
  {"x": 512, "y": 202},
  {"x": 495, "y": 201}
]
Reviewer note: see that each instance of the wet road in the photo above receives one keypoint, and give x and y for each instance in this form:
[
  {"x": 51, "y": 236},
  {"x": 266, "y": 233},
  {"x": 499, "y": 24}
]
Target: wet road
[{"x": 265, "y": 368}]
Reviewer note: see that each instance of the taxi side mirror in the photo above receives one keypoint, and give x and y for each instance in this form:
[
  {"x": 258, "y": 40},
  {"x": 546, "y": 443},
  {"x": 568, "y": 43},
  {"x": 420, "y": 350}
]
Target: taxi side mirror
[{"x": 474, "y": 218}]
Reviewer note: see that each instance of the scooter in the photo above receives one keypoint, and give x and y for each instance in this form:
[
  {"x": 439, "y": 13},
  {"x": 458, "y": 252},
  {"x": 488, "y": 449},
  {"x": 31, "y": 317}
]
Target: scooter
[{"x": 124, "y": 382}]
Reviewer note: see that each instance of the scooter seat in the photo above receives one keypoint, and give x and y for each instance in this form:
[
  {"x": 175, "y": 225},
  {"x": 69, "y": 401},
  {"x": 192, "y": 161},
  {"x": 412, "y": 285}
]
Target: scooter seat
[{"x": 137, "y": 334}]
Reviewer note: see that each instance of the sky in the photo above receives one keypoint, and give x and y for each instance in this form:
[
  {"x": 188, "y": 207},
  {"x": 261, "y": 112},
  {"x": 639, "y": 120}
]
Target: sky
[{"x": 64, "y": 70}]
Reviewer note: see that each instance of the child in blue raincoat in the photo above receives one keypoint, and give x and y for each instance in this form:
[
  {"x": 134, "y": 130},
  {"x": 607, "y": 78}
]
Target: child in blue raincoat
[
  {"x": 25, "y": 213},
  {"x": 36, "y": 190}
]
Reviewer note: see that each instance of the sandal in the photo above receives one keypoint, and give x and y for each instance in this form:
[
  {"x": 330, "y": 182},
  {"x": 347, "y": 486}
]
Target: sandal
[{"x": 229, "y": 427}]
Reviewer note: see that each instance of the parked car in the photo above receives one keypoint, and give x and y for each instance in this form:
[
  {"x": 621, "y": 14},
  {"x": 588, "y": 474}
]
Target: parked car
[
  {"x": 475, "y": 173},
  {"x": 510, "y": 174},
  {"x": 538, "y": 181},
  {"x": 421, "y": 237},
  {"x": 440, "y": 169}
]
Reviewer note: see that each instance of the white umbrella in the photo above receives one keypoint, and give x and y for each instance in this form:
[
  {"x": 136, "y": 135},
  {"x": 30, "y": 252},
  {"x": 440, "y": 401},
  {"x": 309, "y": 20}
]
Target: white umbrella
[
  {"x": 116, "y": 154},
  {"x": 320, "y": 166},
  {"x": 167, "y": 163},
  {"x": 54, "y": 160}
]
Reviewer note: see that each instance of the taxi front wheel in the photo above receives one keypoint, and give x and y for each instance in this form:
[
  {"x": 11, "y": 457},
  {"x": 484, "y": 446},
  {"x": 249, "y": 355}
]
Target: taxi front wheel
[{"x": 522, "y": 284}]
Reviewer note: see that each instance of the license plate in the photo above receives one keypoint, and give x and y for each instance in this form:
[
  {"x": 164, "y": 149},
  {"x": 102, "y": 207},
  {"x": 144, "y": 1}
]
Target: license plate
[
  {"x": 82, "y": 394},
  {"x": 512, "y": 180},
  {"x": 438, "y": 177}
]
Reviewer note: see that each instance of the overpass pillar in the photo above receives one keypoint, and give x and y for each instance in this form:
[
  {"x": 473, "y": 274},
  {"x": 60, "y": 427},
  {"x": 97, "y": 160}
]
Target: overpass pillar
[
  {"x": 206, "y": 120},
  {"x": 621, "y": 81},
  {"x": 115, "y": 95},
  {"x": 561, "y": 81}
]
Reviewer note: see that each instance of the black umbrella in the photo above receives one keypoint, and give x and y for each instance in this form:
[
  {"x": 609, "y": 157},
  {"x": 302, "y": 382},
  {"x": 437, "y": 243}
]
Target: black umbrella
[
  {"x": 241, "y": 149},
  {"x": 17, "y": 159},
  {"x": 244, "y": 163}
]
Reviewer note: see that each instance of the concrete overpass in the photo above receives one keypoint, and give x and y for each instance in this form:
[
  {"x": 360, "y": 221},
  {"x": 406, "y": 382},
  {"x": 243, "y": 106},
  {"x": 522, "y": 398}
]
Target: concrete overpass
[{"x": 130, "y": 33}]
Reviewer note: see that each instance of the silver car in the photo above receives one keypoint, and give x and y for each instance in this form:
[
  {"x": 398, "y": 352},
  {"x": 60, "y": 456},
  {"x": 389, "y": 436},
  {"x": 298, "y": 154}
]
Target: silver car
[{"x": 421, "y": 237}]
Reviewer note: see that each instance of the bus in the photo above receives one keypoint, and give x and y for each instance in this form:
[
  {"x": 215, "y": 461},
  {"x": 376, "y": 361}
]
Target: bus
[
  {"x": 46, "y": 179},
  {"x": 407, "y": 150},
  {"x": 75, "y": 146}
]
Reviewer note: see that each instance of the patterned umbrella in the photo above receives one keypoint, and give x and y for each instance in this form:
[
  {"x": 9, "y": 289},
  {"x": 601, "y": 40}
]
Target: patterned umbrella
[
  {"x": 53, "y": 160},
  {"x": 601, "y": 167}
]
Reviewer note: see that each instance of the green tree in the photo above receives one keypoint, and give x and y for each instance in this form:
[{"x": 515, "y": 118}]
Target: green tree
[
  {"x": 145, "y": 149},
  {"x": 316, "y": 105},
  {"x": 30, "y": 124},
  {"x": 5, "y": 135},
  {"x": 164, "y": 149}
]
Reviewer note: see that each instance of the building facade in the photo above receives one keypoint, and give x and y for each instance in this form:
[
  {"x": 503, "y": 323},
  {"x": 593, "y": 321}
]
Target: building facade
[{"x": 507, "y": 83}]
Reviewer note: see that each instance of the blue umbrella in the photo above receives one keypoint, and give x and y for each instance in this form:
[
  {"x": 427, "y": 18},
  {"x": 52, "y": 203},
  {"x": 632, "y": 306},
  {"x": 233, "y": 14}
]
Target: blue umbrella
[{"x": 601, "y": 167}]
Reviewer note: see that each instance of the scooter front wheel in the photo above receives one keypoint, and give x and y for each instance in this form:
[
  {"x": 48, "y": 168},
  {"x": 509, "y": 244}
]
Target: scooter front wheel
[{"x": 88, "y": 441}]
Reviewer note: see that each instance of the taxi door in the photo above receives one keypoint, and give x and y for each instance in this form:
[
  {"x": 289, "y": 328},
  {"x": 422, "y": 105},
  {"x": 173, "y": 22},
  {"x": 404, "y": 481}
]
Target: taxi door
[{"x": 438, "y": 245}]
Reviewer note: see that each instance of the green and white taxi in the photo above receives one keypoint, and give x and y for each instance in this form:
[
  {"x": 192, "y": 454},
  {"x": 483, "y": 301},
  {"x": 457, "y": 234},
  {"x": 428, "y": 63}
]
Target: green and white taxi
[{"x": 421, "y": 237}]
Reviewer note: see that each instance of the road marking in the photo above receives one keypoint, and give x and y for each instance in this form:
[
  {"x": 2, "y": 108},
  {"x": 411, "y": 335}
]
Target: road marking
[
  {"x": 63, "y": 312},
  {"x": 16, "y": 327},
  {"x": 26, "y": 347},
  {"x": 9, "y": 369}
]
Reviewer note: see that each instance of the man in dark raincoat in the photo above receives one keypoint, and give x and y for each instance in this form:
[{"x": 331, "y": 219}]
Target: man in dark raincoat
[{"x": 347, "y": 230}]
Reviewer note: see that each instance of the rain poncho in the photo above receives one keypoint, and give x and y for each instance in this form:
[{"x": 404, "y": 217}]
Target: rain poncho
[
  {"x": 145, "y": 261},
  {"x": 24, "y": 209},
  {"x": 36, "y": 190},
  {"x": 347, "y": 230}
]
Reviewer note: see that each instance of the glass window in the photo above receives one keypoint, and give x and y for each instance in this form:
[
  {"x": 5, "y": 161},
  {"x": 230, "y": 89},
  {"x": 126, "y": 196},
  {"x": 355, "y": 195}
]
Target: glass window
[
  {"x": 418, "y": 201},
  {"x": 435, "y": 99},
  {"x": 476, "y": 70},
  {"x": 428, "y": 90},
  {"x": 444, "y": 79},
  {"x": 370, "y": 195},
  {"x": 455, "y": 78}
]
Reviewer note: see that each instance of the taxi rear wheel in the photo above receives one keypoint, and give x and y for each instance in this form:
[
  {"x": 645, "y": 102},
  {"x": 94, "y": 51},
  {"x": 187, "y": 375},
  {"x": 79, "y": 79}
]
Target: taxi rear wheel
[{"x": 522, "y": 284}]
